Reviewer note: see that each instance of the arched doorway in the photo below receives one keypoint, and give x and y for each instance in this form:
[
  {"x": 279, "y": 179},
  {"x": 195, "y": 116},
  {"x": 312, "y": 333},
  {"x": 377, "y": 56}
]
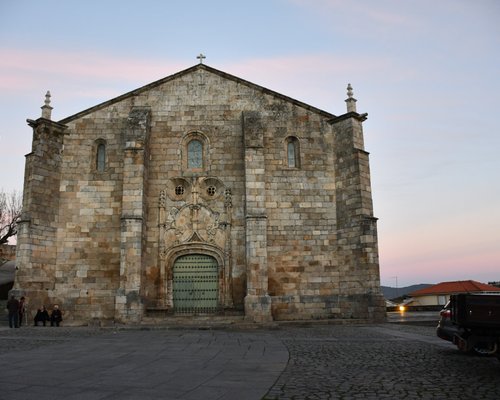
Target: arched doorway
[{"x": 195, "y": 284}]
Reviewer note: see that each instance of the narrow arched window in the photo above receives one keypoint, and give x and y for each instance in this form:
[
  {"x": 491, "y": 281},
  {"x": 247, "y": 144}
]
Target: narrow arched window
[
  {"x": 291, "y": 154},
  {"x": 101, "y": 157},
  {"x": 195, "y": 154},
  {"x": 292, "y": 151}
]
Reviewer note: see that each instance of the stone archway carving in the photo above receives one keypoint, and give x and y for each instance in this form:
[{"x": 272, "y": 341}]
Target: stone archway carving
[
  {"x": 195, "y": 218},
  {"x": 225, "y": 298}
]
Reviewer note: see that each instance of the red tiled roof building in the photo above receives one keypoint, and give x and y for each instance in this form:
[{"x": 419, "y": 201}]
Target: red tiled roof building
[
  {"x": 455, "y": 287},
  {"x": 440, "y": 293}
]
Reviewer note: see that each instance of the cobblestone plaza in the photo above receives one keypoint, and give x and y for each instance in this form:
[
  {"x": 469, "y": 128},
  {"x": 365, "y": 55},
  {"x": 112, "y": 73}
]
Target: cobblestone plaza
[{"x": 384, "y": 361}]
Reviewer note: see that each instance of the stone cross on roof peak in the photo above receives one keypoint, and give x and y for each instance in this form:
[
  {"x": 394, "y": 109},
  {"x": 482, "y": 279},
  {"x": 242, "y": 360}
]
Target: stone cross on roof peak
[{"x": 201, "y": 57}]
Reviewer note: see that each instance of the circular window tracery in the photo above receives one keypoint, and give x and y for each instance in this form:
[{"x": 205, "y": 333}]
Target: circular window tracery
[
  {"x": 179, "y": 190},
  {"x": 211, "y": 190}
]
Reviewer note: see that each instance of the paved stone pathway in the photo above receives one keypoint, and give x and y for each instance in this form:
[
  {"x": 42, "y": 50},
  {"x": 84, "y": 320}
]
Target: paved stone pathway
[
  {"x": 75, "y": 363},
  {"x": 386, "y": 361},
  {"x": 381, "y": 362}
]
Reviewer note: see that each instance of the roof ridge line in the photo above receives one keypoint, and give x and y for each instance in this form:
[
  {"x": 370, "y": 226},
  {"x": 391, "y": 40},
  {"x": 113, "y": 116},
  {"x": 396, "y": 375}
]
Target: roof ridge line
[{"x": 184, "y": 72}]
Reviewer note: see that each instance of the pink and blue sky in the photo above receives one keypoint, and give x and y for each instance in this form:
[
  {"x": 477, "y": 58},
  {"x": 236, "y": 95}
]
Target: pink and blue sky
[{"x": 427, "y": 72}]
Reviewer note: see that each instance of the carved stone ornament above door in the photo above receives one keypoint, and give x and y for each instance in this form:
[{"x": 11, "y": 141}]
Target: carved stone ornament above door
[{"x": 194, "y": 210}]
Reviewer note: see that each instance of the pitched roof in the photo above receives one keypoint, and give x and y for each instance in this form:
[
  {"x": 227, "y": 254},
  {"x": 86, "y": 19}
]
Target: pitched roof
[
  {"x": 185, "y": 72},
  {"x": 455, "y": 287}
]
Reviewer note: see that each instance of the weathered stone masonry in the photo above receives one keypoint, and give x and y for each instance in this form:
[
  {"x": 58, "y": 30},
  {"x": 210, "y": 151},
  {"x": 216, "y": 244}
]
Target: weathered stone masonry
[{"x": 200, "y": 193}]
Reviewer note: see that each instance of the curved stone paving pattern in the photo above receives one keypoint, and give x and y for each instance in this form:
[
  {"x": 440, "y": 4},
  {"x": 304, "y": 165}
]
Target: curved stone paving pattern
[{"x": 387, "y": 361}]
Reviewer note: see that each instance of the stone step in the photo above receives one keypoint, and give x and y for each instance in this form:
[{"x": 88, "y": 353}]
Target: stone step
[
  {"x": 194, "y": 318},
  {"x": 195, "y": 321}
]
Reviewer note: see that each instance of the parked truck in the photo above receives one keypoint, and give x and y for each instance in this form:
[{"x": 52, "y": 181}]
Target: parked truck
[{"x": 472, "y": 322}]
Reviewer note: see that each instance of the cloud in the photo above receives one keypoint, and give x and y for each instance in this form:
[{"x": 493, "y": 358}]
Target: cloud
[
  {"x": 316, "y": 78},
  {"x": 307, "y": 77},
  {"x": 450, "y": 245},
  {"x": 474, "y": 265},
  {"x": 20, "y": 69},
  {"x": 359, "y": 18},
  {"x": 319, "y": 79}
]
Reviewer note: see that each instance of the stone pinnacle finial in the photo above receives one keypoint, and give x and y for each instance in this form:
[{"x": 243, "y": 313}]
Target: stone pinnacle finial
[
  {"x": 46, "y": 108},
  {"x": 349, "y": 90},
  {"x": 351, "y": 101}
]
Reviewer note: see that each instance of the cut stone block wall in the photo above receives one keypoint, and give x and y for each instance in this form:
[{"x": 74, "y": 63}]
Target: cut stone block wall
[{"x": 292, "y": 242}]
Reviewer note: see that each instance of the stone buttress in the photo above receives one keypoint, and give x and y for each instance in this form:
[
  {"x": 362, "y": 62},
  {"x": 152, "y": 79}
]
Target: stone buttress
[
  {"x": 37, "y": 229},
  {"x": 357, "y": 245},
  {"x": 257, "y": 300},
  {"x": 135, "y": 171}
]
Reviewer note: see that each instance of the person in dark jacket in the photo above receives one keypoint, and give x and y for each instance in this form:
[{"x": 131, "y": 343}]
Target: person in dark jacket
[
  {"x": 13, "y": 307},
  {"x": 55, "y": 316},
  {"x": 42, "y": 315},
  {"x": 22, "y": 309}
]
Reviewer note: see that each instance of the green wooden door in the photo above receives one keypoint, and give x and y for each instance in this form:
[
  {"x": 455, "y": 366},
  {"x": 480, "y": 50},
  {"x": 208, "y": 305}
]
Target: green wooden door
[{"x": 196, "y": 284}]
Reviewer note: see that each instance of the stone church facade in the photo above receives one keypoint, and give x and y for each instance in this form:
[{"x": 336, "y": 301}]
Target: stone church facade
[{"x": 200, "y": 194}]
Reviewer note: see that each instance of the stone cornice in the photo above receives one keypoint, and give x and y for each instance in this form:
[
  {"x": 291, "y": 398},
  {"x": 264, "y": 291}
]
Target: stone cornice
[
  {"x": 352, "y": 114},
  {"x": 39, "y": 121},
  {"x": 256, "y": 216}
]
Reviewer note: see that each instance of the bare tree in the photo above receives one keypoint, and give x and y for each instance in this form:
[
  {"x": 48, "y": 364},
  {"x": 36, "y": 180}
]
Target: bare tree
[{"x": 10, "y": 213}]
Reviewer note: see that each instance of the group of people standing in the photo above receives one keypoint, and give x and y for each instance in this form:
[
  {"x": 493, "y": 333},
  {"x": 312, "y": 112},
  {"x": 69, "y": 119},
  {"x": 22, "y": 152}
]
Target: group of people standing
[{"x": 17, "y": 310}]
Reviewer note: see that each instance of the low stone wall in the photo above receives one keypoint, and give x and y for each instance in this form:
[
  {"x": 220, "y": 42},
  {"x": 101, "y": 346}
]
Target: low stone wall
[{"x": 7, "y": 252}]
